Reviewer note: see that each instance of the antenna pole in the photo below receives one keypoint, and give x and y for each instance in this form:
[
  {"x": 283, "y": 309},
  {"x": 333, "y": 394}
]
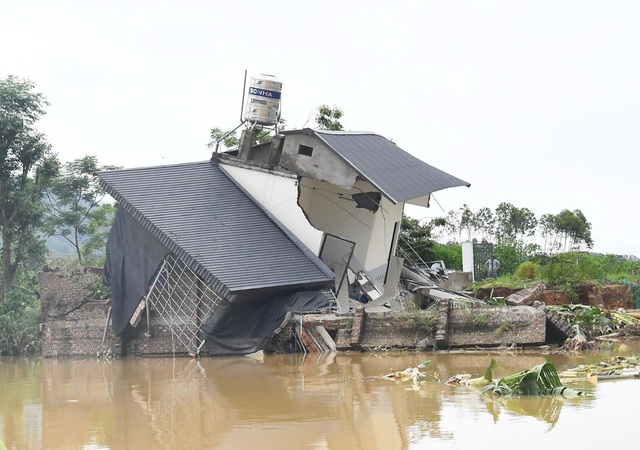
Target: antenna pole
[
  {"x": 244, "y": 88},
  {"x": 241, "y": 114}
]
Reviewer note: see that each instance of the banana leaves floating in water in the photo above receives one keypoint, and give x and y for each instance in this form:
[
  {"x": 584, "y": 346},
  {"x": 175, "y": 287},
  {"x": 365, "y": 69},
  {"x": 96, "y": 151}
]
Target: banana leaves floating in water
[
  {"x": 619, "y": 367},
  {"x": 541, "y": 380},
  {"x": 466, "y": 380}
]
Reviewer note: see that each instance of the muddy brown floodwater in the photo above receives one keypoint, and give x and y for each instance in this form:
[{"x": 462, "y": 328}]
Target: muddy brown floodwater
[{"x": 304, "y": 402}]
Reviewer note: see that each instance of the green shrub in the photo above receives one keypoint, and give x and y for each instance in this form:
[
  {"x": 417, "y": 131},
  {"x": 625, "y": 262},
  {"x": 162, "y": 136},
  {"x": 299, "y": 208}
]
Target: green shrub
[
  {"x": 511, "y": 253},
  {"x": 565, "y": 270},
  {"x": 629, "y": 269},
  {"x": 528, "y": 270},
  {"x": 19, "y": 321},
  {"x": 451, "y": 254}
]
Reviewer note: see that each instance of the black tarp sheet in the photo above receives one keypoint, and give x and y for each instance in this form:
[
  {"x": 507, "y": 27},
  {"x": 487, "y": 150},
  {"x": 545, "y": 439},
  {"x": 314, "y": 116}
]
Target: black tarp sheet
[
  {"x": 243, "y": 328},
  {"x": 133, "y": 256}
]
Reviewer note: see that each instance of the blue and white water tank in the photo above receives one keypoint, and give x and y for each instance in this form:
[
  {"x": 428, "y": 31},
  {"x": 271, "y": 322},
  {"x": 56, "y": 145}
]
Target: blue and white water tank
[{"x": 263, "y": 100}]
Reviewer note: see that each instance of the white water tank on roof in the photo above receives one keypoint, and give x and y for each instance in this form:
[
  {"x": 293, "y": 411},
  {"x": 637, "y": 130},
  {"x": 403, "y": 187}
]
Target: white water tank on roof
[{"x": 263, "y": 100}]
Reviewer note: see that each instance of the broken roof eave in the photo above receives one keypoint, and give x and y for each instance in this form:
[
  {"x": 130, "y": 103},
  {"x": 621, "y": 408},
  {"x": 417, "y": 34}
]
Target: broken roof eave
[
  {"x": 442, "y": 180},
  {"x": 422, "y": 200},
  {"x": 425, "y": 200}
]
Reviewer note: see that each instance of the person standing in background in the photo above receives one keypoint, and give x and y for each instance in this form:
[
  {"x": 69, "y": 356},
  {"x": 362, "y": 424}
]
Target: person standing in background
[{"x": 492, "y": 266}]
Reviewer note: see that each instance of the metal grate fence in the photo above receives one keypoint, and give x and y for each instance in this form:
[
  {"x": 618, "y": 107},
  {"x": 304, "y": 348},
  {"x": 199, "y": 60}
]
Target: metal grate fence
[{"x": 183, "y": 301}]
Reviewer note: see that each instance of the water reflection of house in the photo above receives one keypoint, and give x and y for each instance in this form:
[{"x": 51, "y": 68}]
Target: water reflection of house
[{"x": 222, "y": 249}]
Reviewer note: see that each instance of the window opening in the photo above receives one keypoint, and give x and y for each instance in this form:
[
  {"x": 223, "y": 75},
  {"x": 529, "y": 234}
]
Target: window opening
[{"x": 305, "y": 150}]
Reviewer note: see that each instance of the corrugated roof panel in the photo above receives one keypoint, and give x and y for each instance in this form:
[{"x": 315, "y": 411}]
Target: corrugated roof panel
[
  {"x": 399, "y": 175},
  {"x": 203, "y": 217}
]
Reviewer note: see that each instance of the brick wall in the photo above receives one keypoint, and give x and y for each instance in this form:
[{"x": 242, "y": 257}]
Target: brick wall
[
  {"x": 479, "y": 326},
  {"x": 399, "y": 329},
  {"x": 469, "y": 327},
  {"x": 72, "y": 323},
  {"x": 159, "y": 342}
]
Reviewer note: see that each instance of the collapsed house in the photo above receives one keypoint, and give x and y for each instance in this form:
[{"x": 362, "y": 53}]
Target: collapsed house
[{"x": 223, "y": 250}]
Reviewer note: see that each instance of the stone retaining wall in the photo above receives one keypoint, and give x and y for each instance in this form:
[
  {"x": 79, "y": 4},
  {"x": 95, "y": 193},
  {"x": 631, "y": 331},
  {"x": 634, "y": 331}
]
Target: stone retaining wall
[
  {"x": 73, "y": 325},
  {"x": 506, "y": 325},
  {"x": 429, "y": 329}
]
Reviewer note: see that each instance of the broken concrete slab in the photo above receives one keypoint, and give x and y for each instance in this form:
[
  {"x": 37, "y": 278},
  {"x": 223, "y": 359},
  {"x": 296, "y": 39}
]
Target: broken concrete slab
[{"x": 526, "y": 296}]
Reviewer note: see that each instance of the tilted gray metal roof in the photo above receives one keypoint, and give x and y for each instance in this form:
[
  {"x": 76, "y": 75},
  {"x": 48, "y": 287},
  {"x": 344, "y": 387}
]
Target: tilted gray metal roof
[
  {"x": 207, "y": 220},
  {"x": 396, "y": 173}
]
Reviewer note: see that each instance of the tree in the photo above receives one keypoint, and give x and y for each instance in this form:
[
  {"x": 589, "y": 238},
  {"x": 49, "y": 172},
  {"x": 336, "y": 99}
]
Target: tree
[
  {"x": 513, "y": 222},
  {"x": 328, "y": 118},
  {"x": 100, "y": 222},
  {"x": 575, "y": 228},
  {"x": 76, "y": 201},
  {"x": 548, "y": 228},
  {"x": 452, "y": 226},
  {"x": 437, "y": 227},
  {"x": 566, "y": 230},
  {"x": 415, "y": 240},
  {"x": 467, "y": 221},
  {"x": 27, "y": 167},
  {"x": 485, "y": 223}
]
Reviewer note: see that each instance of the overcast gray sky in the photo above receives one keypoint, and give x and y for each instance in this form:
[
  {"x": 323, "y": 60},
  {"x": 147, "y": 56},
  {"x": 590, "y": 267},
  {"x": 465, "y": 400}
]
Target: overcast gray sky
[{"x": 535, "y": 103}]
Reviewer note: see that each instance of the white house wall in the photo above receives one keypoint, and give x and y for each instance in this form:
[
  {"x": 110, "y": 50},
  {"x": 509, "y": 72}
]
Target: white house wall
[
  {"x": 332, "y": 210},
  {"x": 278, "y": 194}
]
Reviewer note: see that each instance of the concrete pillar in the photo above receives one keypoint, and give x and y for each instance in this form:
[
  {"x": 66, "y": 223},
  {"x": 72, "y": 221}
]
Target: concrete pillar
[
  {"x": 356, "y": 328},
  {"x": 442, "y": 326},
  {"x": 467, "y": 258},
  {"x": 246, "y": 140},
  {"x": 275, "y": 151}
]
